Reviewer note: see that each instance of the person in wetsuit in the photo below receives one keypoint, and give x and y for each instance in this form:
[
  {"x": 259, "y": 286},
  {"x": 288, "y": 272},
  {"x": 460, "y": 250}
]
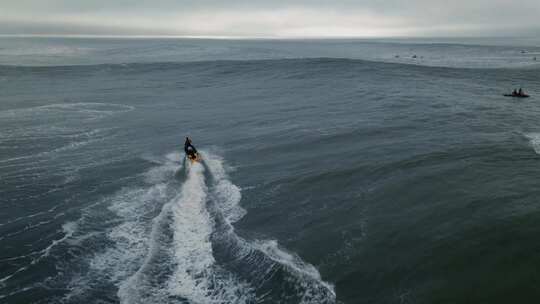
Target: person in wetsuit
[{"x": 190, "y": 150}]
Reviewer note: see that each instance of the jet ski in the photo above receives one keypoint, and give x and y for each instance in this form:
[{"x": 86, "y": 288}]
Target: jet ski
[
  {"x": 194, "y": 158},
  {"x": 517, "y": 95},
  {"x": 191, "y": 152}
]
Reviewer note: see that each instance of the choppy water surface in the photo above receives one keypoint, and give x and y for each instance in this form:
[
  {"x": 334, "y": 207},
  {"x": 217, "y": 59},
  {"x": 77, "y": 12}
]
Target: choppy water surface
[{"x": 334, "y": 172}]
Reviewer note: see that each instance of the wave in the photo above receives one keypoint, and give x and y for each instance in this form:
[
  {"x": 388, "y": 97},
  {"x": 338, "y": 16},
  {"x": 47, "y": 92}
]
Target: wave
[{"x": 252, "y": 64}]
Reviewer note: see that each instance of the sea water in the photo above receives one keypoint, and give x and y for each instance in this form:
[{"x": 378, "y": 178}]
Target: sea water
[{"x": 334, "y": 171}]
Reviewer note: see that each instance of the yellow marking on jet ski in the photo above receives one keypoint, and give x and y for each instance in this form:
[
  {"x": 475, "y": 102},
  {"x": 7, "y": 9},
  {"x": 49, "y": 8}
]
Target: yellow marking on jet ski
[{"x": 194, "y": 159}]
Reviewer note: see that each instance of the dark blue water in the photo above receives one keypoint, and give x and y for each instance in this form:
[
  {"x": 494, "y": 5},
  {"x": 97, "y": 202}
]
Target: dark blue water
[{"x": 326, "y": 178}]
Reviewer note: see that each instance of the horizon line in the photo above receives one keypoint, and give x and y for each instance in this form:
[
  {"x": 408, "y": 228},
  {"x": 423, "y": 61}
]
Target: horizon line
[{"x": 220, "y": 37}]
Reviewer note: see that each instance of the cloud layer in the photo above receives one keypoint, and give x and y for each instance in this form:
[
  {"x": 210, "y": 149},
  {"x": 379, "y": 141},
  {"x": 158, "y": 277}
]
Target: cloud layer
[{"x": 256, "y": 18}]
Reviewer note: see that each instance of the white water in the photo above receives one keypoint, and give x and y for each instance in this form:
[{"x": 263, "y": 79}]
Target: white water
[
  {"x": 170, "y": 258},
  {"x": 534, "y": 139},
  {"x": 228, "y": 202},
  {"x": 196, "y": 276}
]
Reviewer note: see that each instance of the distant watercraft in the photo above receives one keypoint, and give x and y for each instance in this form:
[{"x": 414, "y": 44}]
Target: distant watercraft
[{"x": 516, "y": 95}]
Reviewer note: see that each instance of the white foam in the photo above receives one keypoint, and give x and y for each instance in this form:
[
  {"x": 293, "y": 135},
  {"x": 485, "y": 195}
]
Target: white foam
[
  {"x": 534, "y": 139},
  {"x": 192, "y": 248},
  {"x": 130, "y": 289},
  {"x": 69, "y": 228},
  {"x": 174, "y": 157},
  {"x": 129, "y": 238},
  {"x": 291, "y": 261},
  {"x": 130, "y": 235},
  {"x": 228, "y": 194},
  {"x": 165, "y": 172},
  {"x": 194, "y": 274},
  {"x": 191, "y": 269}
]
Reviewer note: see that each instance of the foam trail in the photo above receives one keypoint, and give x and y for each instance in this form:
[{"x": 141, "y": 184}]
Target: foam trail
[
  {"x": 134, "y": 239},
  {"x": 130, "y": 289},
  {"x": 196, "y": 277},
  {"x": 292, "y": 262},
  {"x": 189, "y": 253},
  {"x": 228, "y": 194},
  {"x": 138, "y": 287},
  {"x": 129, "y": 237},
  {"x": 534, "y": 139},
  {"x": 165, "y": 172},
  {"x": 192, "y": 228},
  {"x": 260, "y": 259}
]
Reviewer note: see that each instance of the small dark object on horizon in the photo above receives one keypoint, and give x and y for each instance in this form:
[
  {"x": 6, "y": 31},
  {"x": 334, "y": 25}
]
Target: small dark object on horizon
[{"x": 517, "y": 93}]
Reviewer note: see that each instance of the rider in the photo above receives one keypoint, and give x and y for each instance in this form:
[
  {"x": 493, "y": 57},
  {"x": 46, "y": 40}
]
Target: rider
[{"x": 189, "y": 148}]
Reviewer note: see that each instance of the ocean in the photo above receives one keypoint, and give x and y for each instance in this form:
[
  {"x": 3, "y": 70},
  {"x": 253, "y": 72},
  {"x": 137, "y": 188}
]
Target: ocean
[{"x": 334, "y": 171}]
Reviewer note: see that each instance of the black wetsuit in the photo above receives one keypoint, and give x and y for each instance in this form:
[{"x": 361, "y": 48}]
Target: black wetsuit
[{"x": 189, "y": 148}]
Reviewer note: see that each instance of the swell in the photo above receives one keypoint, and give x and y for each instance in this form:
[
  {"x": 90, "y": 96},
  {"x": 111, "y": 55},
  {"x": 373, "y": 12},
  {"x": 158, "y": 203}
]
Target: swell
[{"x": 240, "y": 66}]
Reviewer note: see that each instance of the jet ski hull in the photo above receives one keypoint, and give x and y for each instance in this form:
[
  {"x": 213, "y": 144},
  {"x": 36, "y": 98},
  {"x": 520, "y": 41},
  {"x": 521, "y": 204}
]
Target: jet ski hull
[{"x": 516, "y": 96}]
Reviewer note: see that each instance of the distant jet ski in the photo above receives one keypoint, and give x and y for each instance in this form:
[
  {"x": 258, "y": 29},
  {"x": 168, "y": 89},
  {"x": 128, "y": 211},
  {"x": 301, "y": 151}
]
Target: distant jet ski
[
  {"x": 191, "y": 152},
  {"x": 518, "y": 94}
]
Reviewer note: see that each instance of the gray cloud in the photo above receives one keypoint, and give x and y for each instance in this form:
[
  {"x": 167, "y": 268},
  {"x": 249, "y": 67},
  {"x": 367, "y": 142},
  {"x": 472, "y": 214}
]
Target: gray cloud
[{"x": 257, "y": 18}]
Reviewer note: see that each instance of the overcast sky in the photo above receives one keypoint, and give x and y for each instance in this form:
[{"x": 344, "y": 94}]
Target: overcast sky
[{"x": 266, "y": 18}]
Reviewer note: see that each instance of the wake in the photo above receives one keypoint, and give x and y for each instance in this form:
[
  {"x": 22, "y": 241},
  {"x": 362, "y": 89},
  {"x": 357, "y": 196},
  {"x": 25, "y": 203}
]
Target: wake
[
  {"x": 276, "y": 275},
  {"x": 189, "y": 252}
]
